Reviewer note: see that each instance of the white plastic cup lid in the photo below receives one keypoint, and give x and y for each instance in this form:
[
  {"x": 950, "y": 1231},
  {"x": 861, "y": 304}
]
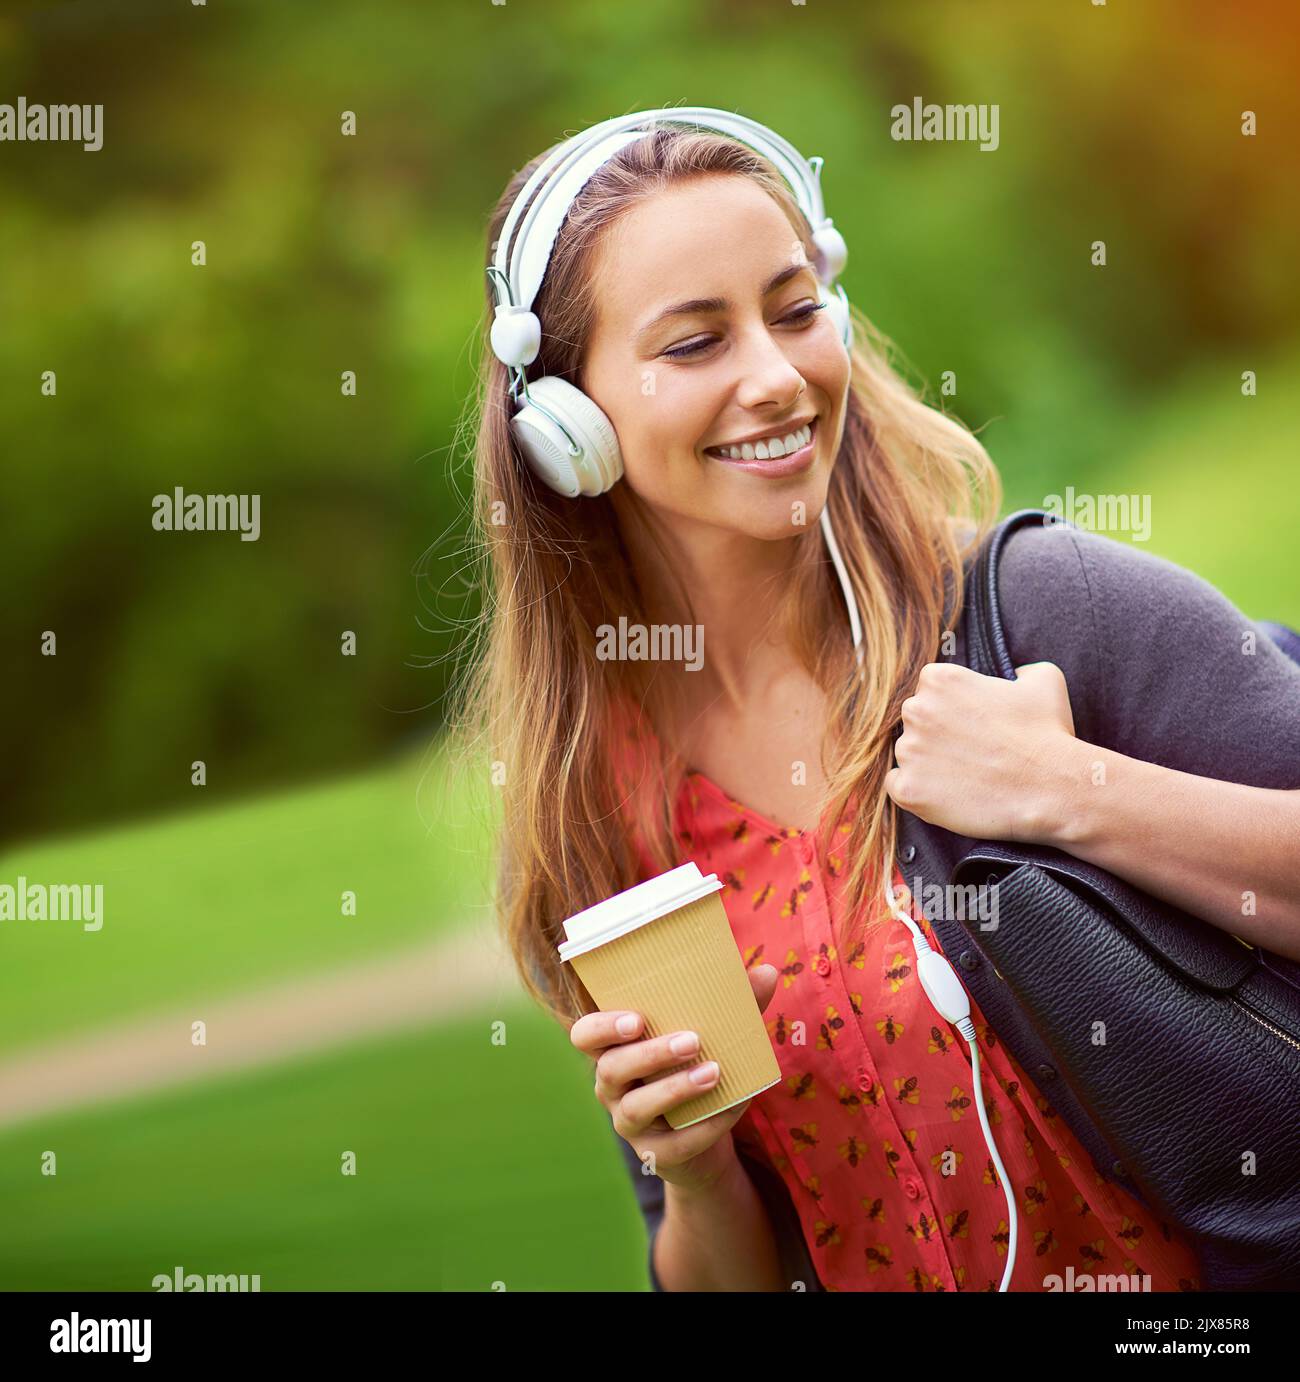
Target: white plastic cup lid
[{"x": 634, "y": 907}]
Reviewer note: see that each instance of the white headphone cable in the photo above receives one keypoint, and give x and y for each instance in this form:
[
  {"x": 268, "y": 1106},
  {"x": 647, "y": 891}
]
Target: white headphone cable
[
  {"x": 952, "y": 1003},
  {"x": 855, "y": 622}
]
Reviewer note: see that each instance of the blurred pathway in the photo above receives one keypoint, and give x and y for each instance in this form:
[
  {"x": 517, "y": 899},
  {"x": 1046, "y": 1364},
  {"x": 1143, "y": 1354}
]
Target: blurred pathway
[{"x": 465, "y": 972}]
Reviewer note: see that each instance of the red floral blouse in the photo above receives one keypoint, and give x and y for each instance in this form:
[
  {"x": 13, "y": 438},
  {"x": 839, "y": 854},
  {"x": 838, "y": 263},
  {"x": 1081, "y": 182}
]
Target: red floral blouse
[{"x": 873, "y": 1126}]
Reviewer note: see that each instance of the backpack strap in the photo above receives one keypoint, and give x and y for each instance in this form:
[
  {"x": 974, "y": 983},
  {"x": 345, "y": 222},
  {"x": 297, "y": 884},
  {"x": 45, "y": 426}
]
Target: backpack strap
[{"x": 986, "y": 643}]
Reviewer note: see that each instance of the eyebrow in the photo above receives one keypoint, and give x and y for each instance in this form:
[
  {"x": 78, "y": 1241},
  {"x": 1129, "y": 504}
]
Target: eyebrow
[{"x": 719, "y": 304}]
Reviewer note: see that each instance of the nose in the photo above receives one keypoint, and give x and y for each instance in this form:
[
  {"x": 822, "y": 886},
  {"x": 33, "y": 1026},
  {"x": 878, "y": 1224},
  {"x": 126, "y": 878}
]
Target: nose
[{"x": 767, "y": 376}]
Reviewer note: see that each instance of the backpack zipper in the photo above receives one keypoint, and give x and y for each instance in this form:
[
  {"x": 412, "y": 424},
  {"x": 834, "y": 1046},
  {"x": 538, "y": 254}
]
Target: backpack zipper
[
  {"x": 1263, "y": 1022},
  {"x": 1250, "y": 1012}
]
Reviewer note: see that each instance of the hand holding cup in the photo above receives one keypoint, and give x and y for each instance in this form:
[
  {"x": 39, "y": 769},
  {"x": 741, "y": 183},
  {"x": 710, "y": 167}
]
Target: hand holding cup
[{"x": 632, "y": 1087}]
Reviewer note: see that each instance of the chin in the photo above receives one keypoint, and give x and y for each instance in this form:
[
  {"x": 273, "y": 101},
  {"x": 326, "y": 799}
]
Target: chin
[{"x": 774, "y": 521}]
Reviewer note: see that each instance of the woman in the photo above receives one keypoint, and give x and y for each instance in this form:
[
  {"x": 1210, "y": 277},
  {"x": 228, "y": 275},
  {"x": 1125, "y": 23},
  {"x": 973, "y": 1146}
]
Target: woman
[{"x": 679, "y": 297}]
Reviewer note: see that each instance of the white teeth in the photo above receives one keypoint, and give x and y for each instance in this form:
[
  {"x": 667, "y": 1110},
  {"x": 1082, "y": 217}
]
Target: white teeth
[{"x": 770, "y": 447}]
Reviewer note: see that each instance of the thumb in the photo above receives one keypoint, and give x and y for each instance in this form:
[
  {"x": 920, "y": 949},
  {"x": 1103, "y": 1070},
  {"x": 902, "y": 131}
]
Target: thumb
[
  {"x": 763, "y": 979},
  {"x": 1034, "y": 670},
  {"x": 1050, "y": 683}
]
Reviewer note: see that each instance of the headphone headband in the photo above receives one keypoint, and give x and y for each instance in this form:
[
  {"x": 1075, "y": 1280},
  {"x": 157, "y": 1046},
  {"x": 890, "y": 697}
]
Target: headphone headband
[{"x": 518, "y": 268}]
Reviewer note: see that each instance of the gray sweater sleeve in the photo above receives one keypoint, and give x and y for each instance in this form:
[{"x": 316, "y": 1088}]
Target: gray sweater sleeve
[
  {"x": 1160, "y": 665},
  {"x": 649, "y": 1191},
  {"x": 792, "y": 1250}
]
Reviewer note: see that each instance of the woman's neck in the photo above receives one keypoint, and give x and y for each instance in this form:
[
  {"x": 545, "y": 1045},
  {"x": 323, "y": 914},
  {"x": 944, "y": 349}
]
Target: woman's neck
[{"x": 734, "y": 583}]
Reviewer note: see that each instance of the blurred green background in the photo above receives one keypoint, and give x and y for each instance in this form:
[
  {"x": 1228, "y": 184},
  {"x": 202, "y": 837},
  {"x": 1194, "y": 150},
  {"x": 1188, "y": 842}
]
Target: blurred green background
[{"x": 481, "y": 1162}]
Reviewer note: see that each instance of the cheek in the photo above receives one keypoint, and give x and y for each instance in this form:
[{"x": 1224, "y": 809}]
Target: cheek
[
  {"x": 660, "y": 426},
  {"x": 830, "y": 369}
]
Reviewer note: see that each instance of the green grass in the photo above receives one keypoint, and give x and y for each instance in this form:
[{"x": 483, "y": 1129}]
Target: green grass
[
  {"x": 475, "y": 1164},
  {"x": 217, "y": 900}
]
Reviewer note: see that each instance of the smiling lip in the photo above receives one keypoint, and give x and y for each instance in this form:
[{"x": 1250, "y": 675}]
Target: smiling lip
[{"x": 782, "y": 465}]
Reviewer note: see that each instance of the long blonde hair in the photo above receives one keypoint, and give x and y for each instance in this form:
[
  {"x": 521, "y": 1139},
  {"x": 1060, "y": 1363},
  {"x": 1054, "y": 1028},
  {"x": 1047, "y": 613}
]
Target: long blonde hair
[{"x": 911, "y": 493}]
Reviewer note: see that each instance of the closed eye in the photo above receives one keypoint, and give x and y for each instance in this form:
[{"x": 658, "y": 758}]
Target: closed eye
[{"x": 800, "y": 317}]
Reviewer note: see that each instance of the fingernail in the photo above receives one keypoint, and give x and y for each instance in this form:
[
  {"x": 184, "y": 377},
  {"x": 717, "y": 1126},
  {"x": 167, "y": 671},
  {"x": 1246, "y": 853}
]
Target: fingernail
[
  {"x": 684, "y": 1043},
  {"x": 626, "y": 1024},
  {"x": 705, "y": 1074}
]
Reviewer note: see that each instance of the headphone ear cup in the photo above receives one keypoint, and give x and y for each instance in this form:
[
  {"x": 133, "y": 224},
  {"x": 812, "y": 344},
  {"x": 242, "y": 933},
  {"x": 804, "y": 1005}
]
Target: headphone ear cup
[{"x": 547, "y": 449}]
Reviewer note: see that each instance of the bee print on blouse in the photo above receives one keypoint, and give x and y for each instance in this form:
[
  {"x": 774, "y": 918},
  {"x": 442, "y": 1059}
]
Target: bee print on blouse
[{"x": 874, "y": 1127}]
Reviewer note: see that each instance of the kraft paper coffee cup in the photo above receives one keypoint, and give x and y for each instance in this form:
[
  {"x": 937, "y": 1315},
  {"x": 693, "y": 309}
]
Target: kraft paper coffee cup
[{"x": 664, "y": 949}]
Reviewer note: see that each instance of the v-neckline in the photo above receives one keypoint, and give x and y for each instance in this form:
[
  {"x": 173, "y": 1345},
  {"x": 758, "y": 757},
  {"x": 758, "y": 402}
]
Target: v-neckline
[{"x": 790, "y": 832}]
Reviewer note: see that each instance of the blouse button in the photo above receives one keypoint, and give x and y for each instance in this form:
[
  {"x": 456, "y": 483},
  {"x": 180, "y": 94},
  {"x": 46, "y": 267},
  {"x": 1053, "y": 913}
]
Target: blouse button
[
  {"x": 864, "y": 1083},
  {"x": 912, "y": 1190},
  {"x": 822, "y": 965},
  {"x": 909, "y": 853}
]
